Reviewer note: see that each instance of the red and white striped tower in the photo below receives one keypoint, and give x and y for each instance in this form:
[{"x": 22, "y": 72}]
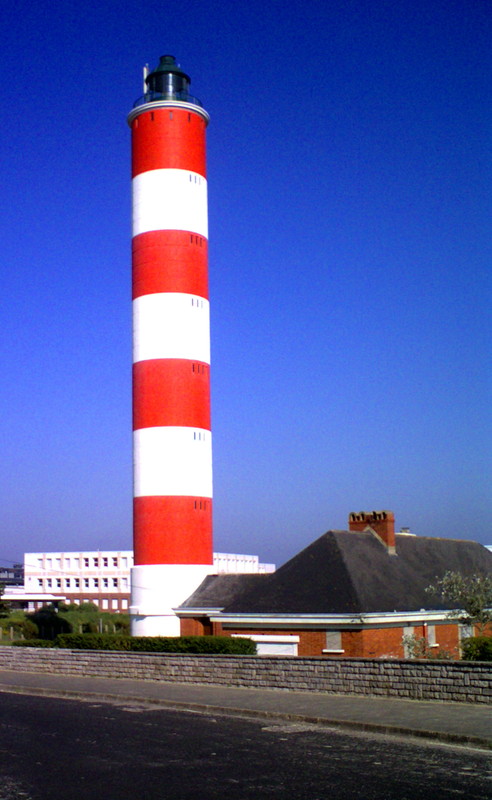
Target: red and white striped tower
[{"x": 171, "y": 351}]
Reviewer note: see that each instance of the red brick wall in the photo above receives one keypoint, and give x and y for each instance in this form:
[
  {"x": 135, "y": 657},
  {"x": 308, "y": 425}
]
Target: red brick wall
[
  {"x": 362, "y": 644},
  {"x": 352, "y": 644},
  {"x": 195, "y": 627},
  {"x": 447, "y": 638},
  {"x": 368, "y": 643},
  {"x": 311, "y": 642},
  {"x": 382, "y": 643}
]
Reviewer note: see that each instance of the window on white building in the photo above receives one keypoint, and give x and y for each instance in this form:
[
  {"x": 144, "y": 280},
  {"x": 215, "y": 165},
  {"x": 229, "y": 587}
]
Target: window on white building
[
  {"x": 86, "y": 562},
  {"x": 67, "y": 563},
  {"x": 114, "y": 604},
  {"x": 124, "y": 563},
  {"x": 124, "y": 603},
  {"x": 86, "y": 583},
  {"x": 96, "y": 583},
  {"x": 58, "y": 583},
  {"x": 105, "y": 562},
  {"x": 115, "y": 561},
  {"x": 77, "y": 583},
  {"x": 67, "y": 583},
  {"x": 115, "y": 582},
  {"x": 105, "y": 603},
  {"x": 124, "y": 583},
  {"x": 40, "y": 581},
  {"x": 49, "y": 563},
  {"x": 48, "y": 582},
  {"x": 105, "y": 582},
  {"x": 96, "y": 562}
]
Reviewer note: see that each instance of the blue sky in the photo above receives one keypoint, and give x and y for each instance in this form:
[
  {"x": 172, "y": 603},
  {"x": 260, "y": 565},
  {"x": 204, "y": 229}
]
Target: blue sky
[{"x": 349, "y": 209}]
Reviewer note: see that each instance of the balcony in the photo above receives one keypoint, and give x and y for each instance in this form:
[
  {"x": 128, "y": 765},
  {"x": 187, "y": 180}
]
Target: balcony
[{"x": 183, "y": 97}]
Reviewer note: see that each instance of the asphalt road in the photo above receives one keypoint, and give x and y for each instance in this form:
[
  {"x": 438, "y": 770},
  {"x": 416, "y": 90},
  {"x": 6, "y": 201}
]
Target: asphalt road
[{"x": 78, "y": 750}]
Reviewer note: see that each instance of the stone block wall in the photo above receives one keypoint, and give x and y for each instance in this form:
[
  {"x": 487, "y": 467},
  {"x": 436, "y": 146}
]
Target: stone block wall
[{"x": 460, "y": 681}]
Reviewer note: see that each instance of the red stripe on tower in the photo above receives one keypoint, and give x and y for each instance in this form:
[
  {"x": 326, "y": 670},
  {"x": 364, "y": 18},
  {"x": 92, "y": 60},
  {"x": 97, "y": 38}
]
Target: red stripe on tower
[{"x": 171, "y": 350}]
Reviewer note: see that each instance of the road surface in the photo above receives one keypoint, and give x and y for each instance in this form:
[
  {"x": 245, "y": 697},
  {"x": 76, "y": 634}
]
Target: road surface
[{"x": 54, "y": 749}]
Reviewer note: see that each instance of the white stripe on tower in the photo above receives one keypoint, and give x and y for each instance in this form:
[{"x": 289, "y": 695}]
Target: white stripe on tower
[
  {"x": 171, "y": 325},
  {"x": 173, "y": 461},
  {"x": 169, "y": 199}
]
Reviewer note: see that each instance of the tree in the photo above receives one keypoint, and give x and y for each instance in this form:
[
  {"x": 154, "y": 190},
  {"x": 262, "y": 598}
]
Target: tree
[
  {"x": 419, "y": 647},
  {"x": 470, "y": 594},
  {"x": 4, "y": 604}
]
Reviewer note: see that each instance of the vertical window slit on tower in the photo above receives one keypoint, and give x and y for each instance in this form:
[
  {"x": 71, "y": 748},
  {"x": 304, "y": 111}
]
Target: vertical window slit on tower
[
  {"x": 189, "y": 117},
  {"x": 152, "y": 116},
  {"x": 170, "y": 115}
]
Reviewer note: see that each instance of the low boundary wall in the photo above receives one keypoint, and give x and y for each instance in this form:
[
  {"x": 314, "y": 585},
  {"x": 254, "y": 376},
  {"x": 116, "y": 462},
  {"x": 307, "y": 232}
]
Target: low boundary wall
[{"x": 462, "y": 681}]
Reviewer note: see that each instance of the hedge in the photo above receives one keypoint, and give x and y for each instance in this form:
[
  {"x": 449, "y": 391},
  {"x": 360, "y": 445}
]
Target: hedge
[
  {"x": 156, "y": 644},
  {"x": 33, "y": 643},
  {"x": 477, "y": 648}
]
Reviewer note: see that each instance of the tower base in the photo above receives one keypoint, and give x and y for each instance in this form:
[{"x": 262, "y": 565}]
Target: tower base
[{"x": 157, "y": 589}]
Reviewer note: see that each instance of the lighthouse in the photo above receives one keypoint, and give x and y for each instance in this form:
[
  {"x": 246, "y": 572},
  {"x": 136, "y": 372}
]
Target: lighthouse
[{"x": 172, "y": 443}]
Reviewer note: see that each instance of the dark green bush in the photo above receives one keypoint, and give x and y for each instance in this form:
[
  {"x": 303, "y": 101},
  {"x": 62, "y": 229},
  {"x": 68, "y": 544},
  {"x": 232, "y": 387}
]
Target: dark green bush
[
  {"x": 477, "y": 648},
  {"x": 193, "y": 644},
  {"x": 49, "y": 622},
  {"x": 33, "y": 643},
  {"x": 156, "y": 644},
  {"x": 92, "y": 641}
]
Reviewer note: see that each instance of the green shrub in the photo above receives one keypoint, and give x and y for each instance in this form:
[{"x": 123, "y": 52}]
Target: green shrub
[
  {"x": 20, "y": 625},
  {"x": 92, "y": 641},
  {"x": 156, "y": 644},
  {"x": 193, "y": 644},
  {"x": 477, "y": 648},
  {"x": 33, "y": 643},
  {"x": 29, "y": 629}
]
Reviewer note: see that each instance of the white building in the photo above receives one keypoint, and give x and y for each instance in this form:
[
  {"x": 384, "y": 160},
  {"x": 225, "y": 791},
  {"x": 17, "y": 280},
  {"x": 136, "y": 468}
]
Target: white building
[{"x": 98, "y": 576}]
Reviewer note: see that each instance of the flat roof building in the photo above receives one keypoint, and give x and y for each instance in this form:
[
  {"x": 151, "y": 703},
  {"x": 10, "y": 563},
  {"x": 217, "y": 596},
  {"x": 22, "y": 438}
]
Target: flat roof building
[{"x": 99, "y": 576}]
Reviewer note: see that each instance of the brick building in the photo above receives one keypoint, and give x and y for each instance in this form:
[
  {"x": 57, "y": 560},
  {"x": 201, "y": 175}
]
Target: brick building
[{"x": 356, "y": 592}]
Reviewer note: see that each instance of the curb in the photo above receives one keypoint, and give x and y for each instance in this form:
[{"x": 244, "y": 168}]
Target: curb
[{"x": 368, "y": 727}]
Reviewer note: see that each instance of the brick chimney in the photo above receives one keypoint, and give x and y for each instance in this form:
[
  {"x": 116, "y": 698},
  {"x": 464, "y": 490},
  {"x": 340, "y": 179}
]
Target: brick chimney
[{"x": 381, "y": 523}]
